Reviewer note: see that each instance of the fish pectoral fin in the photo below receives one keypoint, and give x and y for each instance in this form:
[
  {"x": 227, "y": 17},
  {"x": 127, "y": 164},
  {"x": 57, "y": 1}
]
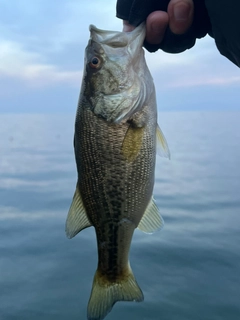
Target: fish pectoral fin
[
  {"x": 77, "y": 219},
  {"x": 132, "y": 143},
  {"x": 162, "y": 146},
  {"x": 151, "y": 220}
]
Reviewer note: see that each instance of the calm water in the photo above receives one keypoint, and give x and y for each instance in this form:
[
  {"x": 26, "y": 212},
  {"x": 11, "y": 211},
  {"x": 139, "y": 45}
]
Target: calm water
[{"x": 188, "y": 271}]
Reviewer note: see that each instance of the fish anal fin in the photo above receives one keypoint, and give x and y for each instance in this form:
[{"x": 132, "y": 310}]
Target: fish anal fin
[
  {"x": 77, "y": 219},
  {"x": 151, "y": 220},
  {"x": 132, "y": 143},
  {"x": 162, "y": 146},
  {"x": 106, "y": 293}
]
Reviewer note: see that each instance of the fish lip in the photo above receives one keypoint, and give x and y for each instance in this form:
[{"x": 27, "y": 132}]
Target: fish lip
[
  {"x": 98, "y": 34},
  {"x": 123, "y": 38},
  {"x": 92, "y": 27}
]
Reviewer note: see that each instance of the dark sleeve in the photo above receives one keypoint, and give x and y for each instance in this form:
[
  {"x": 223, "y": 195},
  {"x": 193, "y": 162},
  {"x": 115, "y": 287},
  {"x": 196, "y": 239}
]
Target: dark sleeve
[
  {"x": 219, "y": 18},
  {"x": 136, "y": 11},
  {"x": 225, "y": 21}
]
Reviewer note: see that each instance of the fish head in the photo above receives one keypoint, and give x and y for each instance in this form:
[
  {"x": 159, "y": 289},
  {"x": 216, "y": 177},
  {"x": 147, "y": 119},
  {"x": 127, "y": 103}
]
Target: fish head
[{"x": 114, "y": 63}]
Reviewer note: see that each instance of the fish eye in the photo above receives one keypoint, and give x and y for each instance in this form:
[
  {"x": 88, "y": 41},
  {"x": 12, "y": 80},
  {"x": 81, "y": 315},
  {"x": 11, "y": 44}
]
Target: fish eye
[{"x": 95, "y": 62}]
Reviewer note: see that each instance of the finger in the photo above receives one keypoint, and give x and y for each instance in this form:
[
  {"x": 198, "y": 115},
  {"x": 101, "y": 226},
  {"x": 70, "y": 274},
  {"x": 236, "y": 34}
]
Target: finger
[
  {"x": 156, "y": 25},
  {"x": 127, "y": 27},
  {"x": 180, "y": 15}
]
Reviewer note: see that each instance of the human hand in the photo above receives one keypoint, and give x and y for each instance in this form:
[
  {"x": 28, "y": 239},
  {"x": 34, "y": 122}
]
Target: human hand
[{"x": 178, "y": 18}]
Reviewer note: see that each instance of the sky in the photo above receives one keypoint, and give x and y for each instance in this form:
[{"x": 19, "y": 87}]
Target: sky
[{"x": 42, "y": 47}]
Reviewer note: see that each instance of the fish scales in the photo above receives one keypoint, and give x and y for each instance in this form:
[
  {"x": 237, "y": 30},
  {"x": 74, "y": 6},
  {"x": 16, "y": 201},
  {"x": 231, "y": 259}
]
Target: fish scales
[
  {"x": 115, "y": 149},
  {"x": 110, "y": 186}
]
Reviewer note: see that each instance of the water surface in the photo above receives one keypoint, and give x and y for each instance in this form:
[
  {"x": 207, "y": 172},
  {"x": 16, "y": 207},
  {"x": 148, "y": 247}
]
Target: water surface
[{"x": 188, "y": 271}]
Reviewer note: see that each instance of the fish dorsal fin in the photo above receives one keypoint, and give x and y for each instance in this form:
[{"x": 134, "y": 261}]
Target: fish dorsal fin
[
  {"x": 162, "y": 146},
  {"x": 77, "y": 219},
  {"x": 151, "y": 220},
  {"x": 132, "y": 143}
]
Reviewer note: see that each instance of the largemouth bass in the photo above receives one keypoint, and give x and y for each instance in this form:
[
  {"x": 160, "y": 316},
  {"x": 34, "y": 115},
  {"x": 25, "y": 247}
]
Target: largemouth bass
[{"x": 115, "y": 139}]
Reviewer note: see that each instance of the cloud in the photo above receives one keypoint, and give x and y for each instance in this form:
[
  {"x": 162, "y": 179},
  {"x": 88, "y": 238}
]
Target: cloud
[
  {"x": 203, "y": 81},
  {"x": 74, "y": 28},
  {"x": 40, "y": 54},
  {"x": 42, "y": 48},
  {"x": 17, "y": 63},
  {"x": 203, "y": 65}
]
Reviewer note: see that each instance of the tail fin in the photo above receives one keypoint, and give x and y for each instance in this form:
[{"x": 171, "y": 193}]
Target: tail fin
[{"x": 105, "y": 294}]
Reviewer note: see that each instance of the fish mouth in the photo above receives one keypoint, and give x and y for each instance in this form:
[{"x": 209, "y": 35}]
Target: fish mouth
[
  {"x": 116, "y": 39},
  {"x": 112, "y": 38}
]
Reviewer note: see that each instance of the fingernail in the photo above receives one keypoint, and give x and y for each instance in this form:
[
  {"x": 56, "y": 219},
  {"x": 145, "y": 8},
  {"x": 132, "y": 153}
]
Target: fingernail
[{"x": 182, "y": 11}]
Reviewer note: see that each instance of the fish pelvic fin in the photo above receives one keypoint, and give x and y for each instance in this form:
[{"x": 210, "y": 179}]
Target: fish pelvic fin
[
  {"x": 106, "y": 293},
  {"x": 77, "y": 219},
  {"x": 162, "y": 145},
  {"x": 151, "y": 220}
]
